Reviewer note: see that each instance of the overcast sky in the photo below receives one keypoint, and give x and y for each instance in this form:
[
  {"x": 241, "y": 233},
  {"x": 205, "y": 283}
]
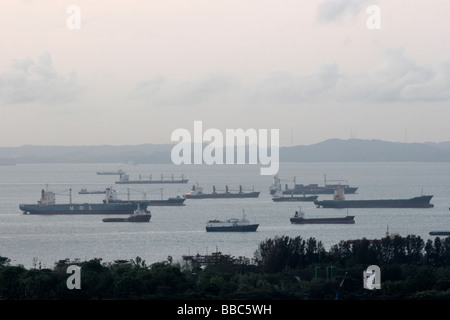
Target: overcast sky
[{"x": 136, "y": 70}]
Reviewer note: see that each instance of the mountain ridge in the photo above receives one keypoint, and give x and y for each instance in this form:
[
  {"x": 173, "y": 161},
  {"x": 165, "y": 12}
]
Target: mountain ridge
[{"x": 330, "y": 150}]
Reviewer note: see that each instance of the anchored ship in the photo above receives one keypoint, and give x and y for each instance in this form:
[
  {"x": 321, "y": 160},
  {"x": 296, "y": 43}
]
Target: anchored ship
[
  {"x": 231, "y": 225},
  {"x": 327, "y": 188},
  {"x": 299, "y": 218},
  {"x": 340, "y": 202},
  {"x": 85, "y": 191},
  {"x": 139, "y": 215},
  {"x": 48, "y": 205},
  {"x": 111, "y": 173},
  {"x": 278, "y": 197},
  {"x": 173, "y": 201},
  {"x": 125, "y": 179},
  {"x": 197, "y": 193}
]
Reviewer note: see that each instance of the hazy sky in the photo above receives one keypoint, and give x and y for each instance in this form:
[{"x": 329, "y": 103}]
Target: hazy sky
[{"x": 136, "y": 70}]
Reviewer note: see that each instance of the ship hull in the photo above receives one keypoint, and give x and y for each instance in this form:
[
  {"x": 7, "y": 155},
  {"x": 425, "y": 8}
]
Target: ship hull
[
  {"x": 439, "y": 233},
  {"x": 243, "y": 228},
  {"x": 343, "y": 220},
  {"x": 417, "y": 202},
  {"x": 167, "y": 203},
  {"x": 294, "y": 199},
  {"x": 151, "y": 181},
  {"x": 223, "y": 195},
  {"x": 138, "y": 218},
  {"x": 83, "y": 208},
  {"x": 316, "y": 190}
]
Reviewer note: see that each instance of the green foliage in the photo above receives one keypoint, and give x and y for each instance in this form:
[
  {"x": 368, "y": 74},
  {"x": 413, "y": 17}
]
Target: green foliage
[{"x": 285, "y": 268}]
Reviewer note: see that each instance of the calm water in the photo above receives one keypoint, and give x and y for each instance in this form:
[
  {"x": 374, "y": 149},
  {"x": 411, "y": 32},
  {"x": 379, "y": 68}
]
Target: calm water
[{"x": 178, "y": 231}]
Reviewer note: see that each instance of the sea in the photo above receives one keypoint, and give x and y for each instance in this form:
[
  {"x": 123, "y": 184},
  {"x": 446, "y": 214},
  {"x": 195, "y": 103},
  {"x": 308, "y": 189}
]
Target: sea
[{"x": 42, "y": 240}]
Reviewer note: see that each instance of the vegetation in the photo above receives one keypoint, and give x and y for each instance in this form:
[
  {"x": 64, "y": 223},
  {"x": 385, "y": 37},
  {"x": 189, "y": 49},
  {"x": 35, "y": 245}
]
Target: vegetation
[{"x": 282, "y": 268}]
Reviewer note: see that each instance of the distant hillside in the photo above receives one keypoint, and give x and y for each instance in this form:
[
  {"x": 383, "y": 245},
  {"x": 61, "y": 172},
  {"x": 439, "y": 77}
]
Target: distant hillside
[
  {"x": 145, "y": 153},
  {"x": 333, "y": 150},
  {"x": 356, "y": 150}
]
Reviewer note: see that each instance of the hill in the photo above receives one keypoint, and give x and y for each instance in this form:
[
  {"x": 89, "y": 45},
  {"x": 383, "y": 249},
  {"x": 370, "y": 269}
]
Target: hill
[{"x": 332, "y": 150}]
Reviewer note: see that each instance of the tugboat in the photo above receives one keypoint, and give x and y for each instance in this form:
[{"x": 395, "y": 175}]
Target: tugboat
[
  {"x": 299, "y": 218},
  {"x": 340, "y": 202},
  {"x": 197, "y": 193},
  {"x": 231, "y": 225},
  {"x": 139, "y": 215}
]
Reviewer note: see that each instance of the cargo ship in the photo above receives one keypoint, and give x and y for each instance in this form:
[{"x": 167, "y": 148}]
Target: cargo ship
[
  {"x": 327, "y": 188},
  {"x": 173, "y": 201},
  {"x": 48, "y": 205},
  {"x": 111, "y": 173},
  {"x": 85, "y": 191},
  {"x": 278, "y": 197},
  {"x": 231, "y": 225},
  {"x": 299, "y": 218},
  {"x": 125, "y": 179},
  {"x": 340, "y": 202},
  {"x": 197, "y": 193}
]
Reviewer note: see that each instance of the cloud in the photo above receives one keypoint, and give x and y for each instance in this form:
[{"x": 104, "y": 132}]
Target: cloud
[
  {"x": 162, "y": 91},
  {"x": 29, "y": 80},
  {"x": 287, "y": 87},
  {"x": 333, "y": 10},
  {"x": 398, "y": 79}
]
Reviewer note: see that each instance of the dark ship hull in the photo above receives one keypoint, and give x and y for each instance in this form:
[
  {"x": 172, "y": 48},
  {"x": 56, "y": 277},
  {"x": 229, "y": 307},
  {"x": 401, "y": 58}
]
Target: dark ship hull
[
  {"x": 294, "y": 199},
  {"x": 132, "y": 218},
  {"x": 168, "y": 202},
  {"x": 439, "y": 233},
  {"x": 341, "y": 220},
  {"x": 238, "y": 228},
  {"x": 417, "y": 202}
]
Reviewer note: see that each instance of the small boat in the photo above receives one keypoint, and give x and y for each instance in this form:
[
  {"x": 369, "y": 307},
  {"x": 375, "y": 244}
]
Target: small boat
[
  {"x": 197, "y": 193},
  {"x": 85, "y": 191},
  {"x": 231, "y": 225},
  {"x": 299, "y": 218},
  {"x": 139, "y": 215}
]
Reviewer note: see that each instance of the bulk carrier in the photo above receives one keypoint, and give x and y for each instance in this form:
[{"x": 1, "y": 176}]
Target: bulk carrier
[{"x": 48, "y": 205}]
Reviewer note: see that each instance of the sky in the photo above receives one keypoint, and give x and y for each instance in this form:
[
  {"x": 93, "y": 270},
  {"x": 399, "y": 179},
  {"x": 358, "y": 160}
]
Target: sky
[{"x": 128, "y": 73}]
